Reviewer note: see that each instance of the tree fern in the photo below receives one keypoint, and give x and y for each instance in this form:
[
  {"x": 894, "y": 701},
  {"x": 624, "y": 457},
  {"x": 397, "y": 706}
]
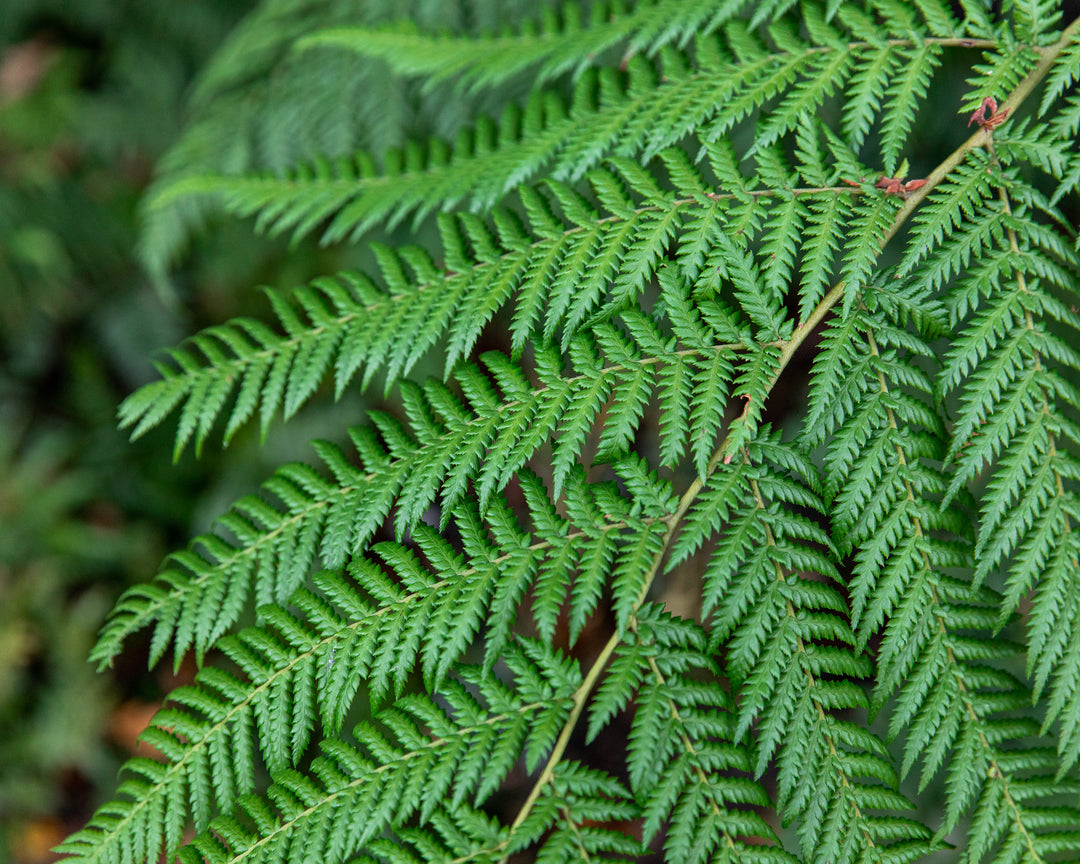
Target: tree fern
[{"x": 460, "y": 649}]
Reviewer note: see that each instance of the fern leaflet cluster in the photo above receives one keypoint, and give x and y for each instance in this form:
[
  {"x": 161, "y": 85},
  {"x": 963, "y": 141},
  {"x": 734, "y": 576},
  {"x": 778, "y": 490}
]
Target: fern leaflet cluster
[{"x": 453, "y": 622}]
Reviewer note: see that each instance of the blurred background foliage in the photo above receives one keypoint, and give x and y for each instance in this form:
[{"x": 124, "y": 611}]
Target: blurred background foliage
[
  {"x": 91, "y": 93},
  {"x": 97, "y": 97}
]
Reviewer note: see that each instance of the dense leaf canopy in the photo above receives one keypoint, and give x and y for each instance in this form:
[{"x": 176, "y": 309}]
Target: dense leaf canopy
[{"x": 687, "y": 196}]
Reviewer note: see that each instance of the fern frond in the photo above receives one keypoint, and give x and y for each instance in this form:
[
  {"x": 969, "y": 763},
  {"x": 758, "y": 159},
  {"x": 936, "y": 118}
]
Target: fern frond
[
  {"x": 573, "y": 809},
  {"x": 873, "y": 406},
  {"x": 866, "y": 91},
  {"x": 1014, "y": 424},
  {"x": 555, "y": 47},
  {"x": 1031, "y": 145},
  {"x": 344, "y": 199},
  {"x": 1034, "y": 21},
  {"x": 682, "y": 753},
  {"x": 263, "y": 108},
  {"x": 352, "y": 324},
  {"x": 566, "y": 273},
  {"x": 827, "y": 218},
  {"x": 201, "y": 592},
  {"x": 872, "y": 219},
  {"x": 939, "y": 17},
  {"x": 959, "y": 709},
  {"x": 351, "y": 790},
  {"x": 447, "y": 445},
  {"x": 463, "y": 832},
  {"x": 1066, "y": 71},
  {"x": 1066, "y": 124},
  {"x": 999, "y": 75},
  {"x": 376, "y": 624},
  {"x": 786, "y": 637},
  {"x": 640, "y": 113},
  {"x": 902, "y": 98},
  {"x": 678, "y": 211},
  {"x": 952, "y": 205},
  {"x": 317, "y": 666},
  {"x": 884, "y": 445}
]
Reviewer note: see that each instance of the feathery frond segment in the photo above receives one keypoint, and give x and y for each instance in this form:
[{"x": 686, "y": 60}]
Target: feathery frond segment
[
  {"x": 937, "y": 658},
  {"x": 545, "y": 52},
  {"x": 790, "y": 651},
  {"x": 652, "y": 99},
  {"x": 683, "y": 753},
  {"x": 1014, "y": 365},
  {"x": 353, "y": 789}
]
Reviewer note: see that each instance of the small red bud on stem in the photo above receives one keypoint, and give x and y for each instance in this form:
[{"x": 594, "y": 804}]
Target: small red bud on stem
[{"x": 987, "y": 115}]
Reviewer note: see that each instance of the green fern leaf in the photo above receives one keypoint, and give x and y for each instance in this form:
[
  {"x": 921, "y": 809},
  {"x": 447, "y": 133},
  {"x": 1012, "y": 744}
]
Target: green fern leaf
[
  {"x": 558, "y": 46},
  {"x": 769, "y": 624}
]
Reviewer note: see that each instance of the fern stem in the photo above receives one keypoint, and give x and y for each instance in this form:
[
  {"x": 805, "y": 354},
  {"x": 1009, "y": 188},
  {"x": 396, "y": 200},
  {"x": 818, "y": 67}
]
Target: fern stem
[
  {"x": 287, "y": 824},
  {"x": 788, "y": 347},
  {"x": 581, "y": 696},
  {"x": 980, "y": 138}
]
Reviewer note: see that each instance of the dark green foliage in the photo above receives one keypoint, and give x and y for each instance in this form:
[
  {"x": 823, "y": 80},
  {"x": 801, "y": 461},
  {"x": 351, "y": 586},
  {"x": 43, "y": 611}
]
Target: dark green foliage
[{"x": 684, "y": 198}]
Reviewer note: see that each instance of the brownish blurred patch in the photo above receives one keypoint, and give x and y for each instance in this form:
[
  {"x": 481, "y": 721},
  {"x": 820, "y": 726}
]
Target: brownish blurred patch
[
  {"x": 21, "y": 67},
  {"x": 127, "y": 722},
  {"x": 34, "y": 843},
  {"x": 130, "y": 718}
]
